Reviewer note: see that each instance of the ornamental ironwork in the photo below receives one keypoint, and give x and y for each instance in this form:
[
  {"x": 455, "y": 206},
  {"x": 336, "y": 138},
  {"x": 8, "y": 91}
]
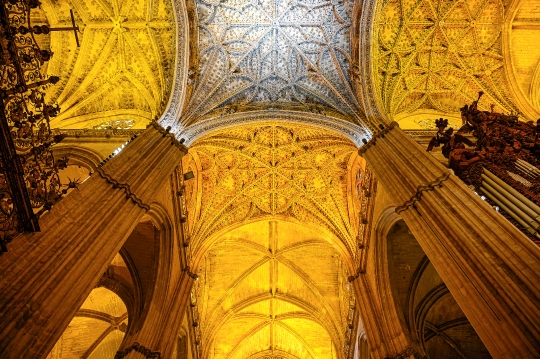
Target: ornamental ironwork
[
  {"x": 29, "y": 180},
  {"x": 499, "y": 157}
]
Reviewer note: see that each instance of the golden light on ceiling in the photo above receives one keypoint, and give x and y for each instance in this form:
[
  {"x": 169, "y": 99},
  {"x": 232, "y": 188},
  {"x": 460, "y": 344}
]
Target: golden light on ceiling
[
  {"x": 123, "y": 70},
  {"x": 270, "y": 170},
  {"x": 437, "y": 55},
  {"x": 259, "y": 294}
]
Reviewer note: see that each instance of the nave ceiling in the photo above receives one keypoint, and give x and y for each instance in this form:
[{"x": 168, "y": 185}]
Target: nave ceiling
[
  {"x": 259, "y": 295},
  {"x": 273, "y": 170},
  {"x": 273, "y": 223}
]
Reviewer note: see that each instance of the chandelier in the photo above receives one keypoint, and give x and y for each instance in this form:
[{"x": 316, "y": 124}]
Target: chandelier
[{"x": 29, "y": 180}]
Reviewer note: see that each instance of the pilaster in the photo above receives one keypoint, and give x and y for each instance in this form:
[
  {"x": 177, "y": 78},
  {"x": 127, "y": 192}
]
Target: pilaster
[
  {"x": 385, "y": 342},
  {"x": 159, "y": 332}
]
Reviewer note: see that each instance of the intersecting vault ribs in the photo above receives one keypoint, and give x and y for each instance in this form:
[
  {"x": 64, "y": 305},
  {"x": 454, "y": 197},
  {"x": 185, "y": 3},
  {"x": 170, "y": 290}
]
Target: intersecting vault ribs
[
  {"x": 269, "y": 298},
  {"x": 124, "y": 67},
  {"x": 273, "y": 53},
  {"x": 270, "y": 170},
  {"x": 438, "y": 54}
]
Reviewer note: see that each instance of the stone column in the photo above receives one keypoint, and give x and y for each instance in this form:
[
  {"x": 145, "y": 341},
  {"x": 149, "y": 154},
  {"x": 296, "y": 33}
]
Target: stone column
[
  {"x": 385, "y": 341},
  {"x": 46, "y": 276},
  {"x": 158, "y": 334},
  {"x": 490, "y": 267}
]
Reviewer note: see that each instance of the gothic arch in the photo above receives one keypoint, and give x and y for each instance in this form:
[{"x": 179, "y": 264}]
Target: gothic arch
[
  {"x": 522, "y": 61},
  {"x": 297, "y": 294},
  {"x": 79, "y": 155},
  {"x": 207, "y": 127}
]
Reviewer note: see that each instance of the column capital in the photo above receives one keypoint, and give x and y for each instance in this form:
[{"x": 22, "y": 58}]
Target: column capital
[
  {"x": 136, "y": 347},
  {"x": 383, "y": 131}
]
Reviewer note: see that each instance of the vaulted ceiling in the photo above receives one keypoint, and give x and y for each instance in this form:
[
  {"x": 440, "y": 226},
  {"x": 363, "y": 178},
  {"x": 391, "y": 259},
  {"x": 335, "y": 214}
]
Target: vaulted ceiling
[
  {"x": 270, "y": 169},
  {"x": 434, "y": 56},
  {"x": 271, "y": 212},
  {"x": 273, "y": 289},
  {"x": 272, "y": 54},
  {"x": 429, "y": 58},
  {"x": 98, "y": 328},
  {"x": 121, "y": 76}
]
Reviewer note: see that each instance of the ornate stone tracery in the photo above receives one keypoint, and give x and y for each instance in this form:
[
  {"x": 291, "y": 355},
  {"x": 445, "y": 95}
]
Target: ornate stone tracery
[
  {"x": 271, "y": 170},
  {"x": 439, "y": 55},
  {"x": 273, "y": 54},
  {"x": 125, "y": 67}
]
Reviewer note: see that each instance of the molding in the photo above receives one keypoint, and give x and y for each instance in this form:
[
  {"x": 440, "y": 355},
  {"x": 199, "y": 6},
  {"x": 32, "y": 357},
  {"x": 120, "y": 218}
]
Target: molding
[
  {"x": 355, "y": 133},
  {"x": 374, "y": 112},
  {"x": 384, "y": 130},
  {"x": 176, "y": 99},
  {"x": 108, "y": 134},
  {"x": 148, "y": 354},
  {"x": 79, "y": 155},
  {"x": 422, "y": 188},
  {"x": 127, "y": 190}
]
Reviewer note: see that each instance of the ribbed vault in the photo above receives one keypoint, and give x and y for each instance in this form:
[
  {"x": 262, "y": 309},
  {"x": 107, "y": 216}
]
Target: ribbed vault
[
  {"x": 271, "y": 54},
  {"x": 260, "y": 294},
  {"x": 122, "y": 74},
  {"x": 98, "y": 328},
  {"x": 437, "y": 55},
  {"x": 270, "y": 170}
]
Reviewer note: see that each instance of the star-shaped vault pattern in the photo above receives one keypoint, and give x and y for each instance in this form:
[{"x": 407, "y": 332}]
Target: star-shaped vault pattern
[
  {"x": 272, "y": 54},
  {"x": 269, "y": 170},
  {"x": 438, "y": 54}
]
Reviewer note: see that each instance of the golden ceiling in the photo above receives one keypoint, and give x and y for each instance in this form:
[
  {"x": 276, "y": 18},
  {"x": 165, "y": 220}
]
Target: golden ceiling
[
  {"x": 274, "y": 215},
  {"x": 270, "y": 169},
  {"x": 260, "y": 294},
  {"x": 122, "y": 74},
  {"x": 434, "y": 54}
]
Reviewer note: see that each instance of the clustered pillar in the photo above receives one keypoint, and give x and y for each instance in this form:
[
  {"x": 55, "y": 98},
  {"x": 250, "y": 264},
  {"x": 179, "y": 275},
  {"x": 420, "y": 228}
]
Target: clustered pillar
[
  {"x": 490, "y": 267},
  {"x": 46, "y": 276}
]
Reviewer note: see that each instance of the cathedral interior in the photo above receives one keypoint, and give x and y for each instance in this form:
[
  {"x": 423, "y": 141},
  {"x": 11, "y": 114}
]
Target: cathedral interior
[{"x": 248, "y": 179}]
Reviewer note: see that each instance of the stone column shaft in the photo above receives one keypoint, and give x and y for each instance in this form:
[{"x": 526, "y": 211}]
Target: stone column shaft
[
  {"x": 46, "y": 276},
  {"x": 159, "y": 332},
  {"x": 490, "y": 267},
  {"x": 385, "y": 341}
]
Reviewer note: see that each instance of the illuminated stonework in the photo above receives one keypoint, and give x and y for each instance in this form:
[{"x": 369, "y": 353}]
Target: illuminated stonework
[
  {"x": 272, "y": 54},
  {"x": 270, "y": 169},
  {"x": 98, "y": 328},
  {"x": 522, "y": 55},
  {"x": 439, "y": 54},
  {"x": 124, "y": 67},
  {"x": 261, "y": 296}
]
